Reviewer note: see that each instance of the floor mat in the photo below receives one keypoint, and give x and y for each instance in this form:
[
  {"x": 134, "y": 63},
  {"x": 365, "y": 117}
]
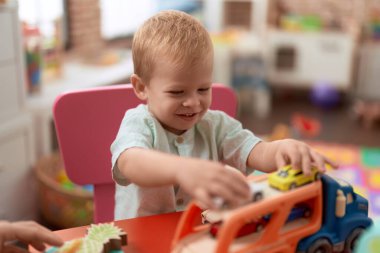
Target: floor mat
[{"x": 359, "y": 166}]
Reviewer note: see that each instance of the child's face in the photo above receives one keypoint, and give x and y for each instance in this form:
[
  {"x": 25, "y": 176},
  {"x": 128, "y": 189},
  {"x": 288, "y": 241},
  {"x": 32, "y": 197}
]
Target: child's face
[{"x": 179, "y": 98}]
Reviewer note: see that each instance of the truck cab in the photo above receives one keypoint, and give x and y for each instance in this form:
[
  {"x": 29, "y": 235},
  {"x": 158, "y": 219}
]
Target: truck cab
[{"x": 345, "y": 216}]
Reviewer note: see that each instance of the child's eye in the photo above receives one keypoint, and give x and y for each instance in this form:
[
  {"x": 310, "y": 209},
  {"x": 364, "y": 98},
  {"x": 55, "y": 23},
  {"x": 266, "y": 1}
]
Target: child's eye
[
  {"x": 204, "y": 89},
  {"x": 175, "y": 92}
]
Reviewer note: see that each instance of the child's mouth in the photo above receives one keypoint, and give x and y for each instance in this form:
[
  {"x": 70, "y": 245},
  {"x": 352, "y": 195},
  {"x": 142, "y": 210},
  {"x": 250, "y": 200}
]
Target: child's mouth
[{"x": 187, "y": 116}]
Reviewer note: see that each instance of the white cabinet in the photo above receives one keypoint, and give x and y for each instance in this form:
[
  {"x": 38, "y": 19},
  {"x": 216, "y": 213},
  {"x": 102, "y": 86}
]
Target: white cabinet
[
  {"x": 17, "y": 198},
  {"x": 7, "y": 34},
  {"x": 17, "y": 182},
  {"x": 301, "y": 59},
  {"x": 10, "y": 97},
  {"x": 368, "y": 85},
  {"x": 12, "y": 84}
]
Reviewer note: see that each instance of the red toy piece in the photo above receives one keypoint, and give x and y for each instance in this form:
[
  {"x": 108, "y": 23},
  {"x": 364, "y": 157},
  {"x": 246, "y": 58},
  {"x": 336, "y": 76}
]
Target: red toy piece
[{"x": 306, "y": 126}]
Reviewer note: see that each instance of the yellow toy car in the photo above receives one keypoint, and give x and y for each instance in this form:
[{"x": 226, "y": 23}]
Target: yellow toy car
[{"x": 288, "y": 178}]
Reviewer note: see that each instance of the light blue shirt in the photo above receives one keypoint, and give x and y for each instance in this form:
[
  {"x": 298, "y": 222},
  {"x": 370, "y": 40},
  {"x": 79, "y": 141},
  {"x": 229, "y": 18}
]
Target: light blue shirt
[{"x": 217, "y": 137}]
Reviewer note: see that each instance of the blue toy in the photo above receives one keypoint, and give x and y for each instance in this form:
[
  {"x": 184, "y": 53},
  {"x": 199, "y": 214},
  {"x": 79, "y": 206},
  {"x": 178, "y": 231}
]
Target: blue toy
[{"x": 345, "y": 217}]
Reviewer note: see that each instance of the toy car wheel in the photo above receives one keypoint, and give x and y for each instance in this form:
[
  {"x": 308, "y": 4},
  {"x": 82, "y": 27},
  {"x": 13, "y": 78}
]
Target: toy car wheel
[
  {"x": 320, "y": 246},
  {"x": 257, "y": 196},
  {"x": 317, "y": 176},
  {"x": 293, "y": 186},
  {"x": 351, "y": 240}
]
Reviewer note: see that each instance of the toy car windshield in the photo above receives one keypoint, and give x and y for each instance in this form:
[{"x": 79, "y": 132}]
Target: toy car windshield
[{"x": 282, "y": 173}]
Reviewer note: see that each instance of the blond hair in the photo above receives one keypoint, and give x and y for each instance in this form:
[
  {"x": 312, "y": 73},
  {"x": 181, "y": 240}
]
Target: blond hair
[{"x": 174, "y": 35}]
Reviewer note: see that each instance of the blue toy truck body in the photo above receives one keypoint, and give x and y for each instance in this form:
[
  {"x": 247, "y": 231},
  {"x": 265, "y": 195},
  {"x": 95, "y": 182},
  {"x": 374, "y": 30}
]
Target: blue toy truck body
[{"x": 339, "y": 229}]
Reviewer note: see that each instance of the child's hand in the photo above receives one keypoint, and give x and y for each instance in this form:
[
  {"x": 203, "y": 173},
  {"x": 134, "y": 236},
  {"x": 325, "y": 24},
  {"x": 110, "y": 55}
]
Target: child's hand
[
  {"x": 207, "y": 181},
  {"x": 28, "y": 232},
  {"x": 299, "y": 155}
]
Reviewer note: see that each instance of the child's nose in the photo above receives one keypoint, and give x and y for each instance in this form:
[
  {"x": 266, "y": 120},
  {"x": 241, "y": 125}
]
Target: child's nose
[{"x": 192, "y": 100}]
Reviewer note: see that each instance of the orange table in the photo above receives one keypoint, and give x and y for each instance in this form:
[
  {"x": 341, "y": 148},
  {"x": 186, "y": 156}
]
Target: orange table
[{"x": 145, "y": 234}]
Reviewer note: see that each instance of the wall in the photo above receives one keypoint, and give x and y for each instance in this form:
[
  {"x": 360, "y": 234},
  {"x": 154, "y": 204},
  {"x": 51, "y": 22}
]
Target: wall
[{"x": 84, "y": 26}]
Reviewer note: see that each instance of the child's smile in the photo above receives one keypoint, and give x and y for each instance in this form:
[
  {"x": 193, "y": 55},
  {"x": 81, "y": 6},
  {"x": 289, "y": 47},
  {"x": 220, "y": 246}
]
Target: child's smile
[{"x": 188, "y": 116}]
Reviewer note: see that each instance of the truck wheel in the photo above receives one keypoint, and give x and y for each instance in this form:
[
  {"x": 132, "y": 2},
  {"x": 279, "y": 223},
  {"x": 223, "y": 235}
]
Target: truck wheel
[
  {"x": 258, "y": 196},
  {"x": 320, "y": 246},
  {"x": 317, "y": 176},
  {"x": 293, "y": 186},
  {"x": 351, "y": 240}
]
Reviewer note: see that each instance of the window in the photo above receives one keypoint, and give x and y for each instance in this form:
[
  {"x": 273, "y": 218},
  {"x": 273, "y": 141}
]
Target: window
[
  {"x": 41, "y": 13},
  {"x": 120, "y": 18}
]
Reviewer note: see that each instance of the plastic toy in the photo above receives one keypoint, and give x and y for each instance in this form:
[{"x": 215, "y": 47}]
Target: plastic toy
[
  {"x": 288, "y": 178},
  {"x": 299, "y": 212},
  {"x": 257, "y": 191},
  {"x": 324, "y": 94},
  {"x": 258, "y": 225},
  {"x": 100, "y": 238},
  {"x": 305, "y": 126},
  {"x": 248, "y": 228},
  {"x": 62, "y": 179},
  {"x": 336, "y": 219}
]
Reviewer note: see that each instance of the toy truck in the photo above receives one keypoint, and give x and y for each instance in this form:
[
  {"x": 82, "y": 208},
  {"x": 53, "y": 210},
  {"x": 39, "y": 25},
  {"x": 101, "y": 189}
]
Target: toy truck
[{"x": 336, "y": 219}]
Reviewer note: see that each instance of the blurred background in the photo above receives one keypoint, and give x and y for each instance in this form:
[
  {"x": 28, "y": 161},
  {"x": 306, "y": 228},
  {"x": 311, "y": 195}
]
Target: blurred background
[{"x": 302, "y": 69}]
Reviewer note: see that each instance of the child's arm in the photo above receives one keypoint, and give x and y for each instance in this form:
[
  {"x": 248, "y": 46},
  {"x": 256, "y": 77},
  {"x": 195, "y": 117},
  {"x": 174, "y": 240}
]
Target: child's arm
[
  {"x": 28, "y": 232},
  {"x": 204, "y": 180},
  {"x": 267, "y": 156}
]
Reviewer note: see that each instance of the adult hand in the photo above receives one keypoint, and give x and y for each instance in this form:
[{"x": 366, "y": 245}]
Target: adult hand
[{"x": 28, "y": 232}]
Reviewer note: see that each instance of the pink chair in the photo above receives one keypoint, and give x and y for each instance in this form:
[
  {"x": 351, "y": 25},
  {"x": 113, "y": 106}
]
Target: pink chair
[{"x": 87, "y": 122}]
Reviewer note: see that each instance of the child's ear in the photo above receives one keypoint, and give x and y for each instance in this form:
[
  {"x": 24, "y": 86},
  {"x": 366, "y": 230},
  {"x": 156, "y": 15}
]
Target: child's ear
[{"x": 139, "y": 87}]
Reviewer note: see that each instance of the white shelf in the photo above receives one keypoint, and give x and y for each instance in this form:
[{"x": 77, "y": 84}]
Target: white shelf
[{"x": 78, "y": 76}]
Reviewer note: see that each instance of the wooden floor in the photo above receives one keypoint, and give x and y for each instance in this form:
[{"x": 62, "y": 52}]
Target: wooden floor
[{"x": 338, "y": 124}]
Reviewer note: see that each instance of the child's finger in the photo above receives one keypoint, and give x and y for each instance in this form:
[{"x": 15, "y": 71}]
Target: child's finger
[
  {"x": 331, "y": 162},
  {"x": 306, "y": 165},
  {"x": 280, "y": 160},
  {"x": 31, "y": 232},
  {"x": 305, "y": 156},
  {"x": 38, "y": 245},
  {"x": 296, "y": 160},
  {"x": 203, "y": 199},
  {"x": 318, "y": 160},
  {"x": 234, "y": 185},
  {"x": 223, "y": 194},
  {"x": 218, "y": 202}
]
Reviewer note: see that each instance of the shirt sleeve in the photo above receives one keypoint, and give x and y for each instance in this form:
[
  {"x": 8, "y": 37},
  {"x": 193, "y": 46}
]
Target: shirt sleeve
[
  {"x": 234, "y": 143},
  {"x": 135, "y": 131}
]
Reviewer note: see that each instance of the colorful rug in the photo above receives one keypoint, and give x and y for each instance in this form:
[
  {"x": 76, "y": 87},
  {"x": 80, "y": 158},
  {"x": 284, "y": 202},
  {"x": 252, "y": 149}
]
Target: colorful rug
[{"x": 359, "y": 166}]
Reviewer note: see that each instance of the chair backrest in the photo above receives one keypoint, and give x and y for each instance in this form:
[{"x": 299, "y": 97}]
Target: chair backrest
[{"x": 87, "y": 122}]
